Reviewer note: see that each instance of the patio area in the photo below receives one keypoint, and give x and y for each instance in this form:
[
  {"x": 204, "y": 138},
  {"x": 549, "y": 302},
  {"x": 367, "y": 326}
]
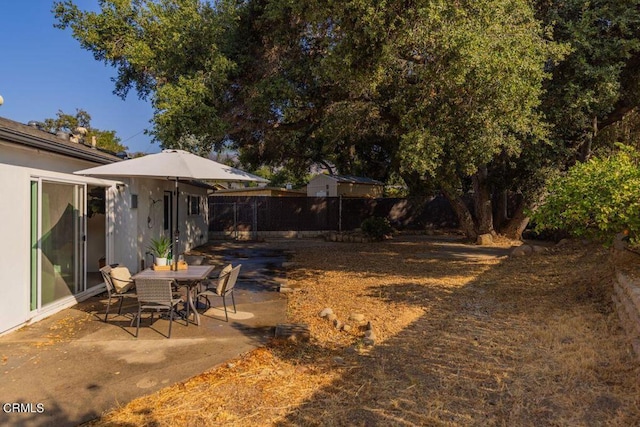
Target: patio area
[{"x": 70, "y": 367}]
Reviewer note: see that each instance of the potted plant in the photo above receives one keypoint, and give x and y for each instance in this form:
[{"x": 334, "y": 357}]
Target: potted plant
[{"x": 160, "y": 249}]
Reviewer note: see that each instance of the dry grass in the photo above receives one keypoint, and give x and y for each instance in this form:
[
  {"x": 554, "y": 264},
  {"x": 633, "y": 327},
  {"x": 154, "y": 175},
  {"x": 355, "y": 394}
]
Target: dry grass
[{"x": 518, "y": 341}]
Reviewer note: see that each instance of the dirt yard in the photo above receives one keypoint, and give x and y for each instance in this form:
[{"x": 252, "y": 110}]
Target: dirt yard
[{"x": 454, "y": 340}]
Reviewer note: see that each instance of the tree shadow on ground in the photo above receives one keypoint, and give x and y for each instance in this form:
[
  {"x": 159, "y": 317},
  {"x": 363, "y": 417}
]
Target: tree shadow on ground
[{"x": 499, "y": 350}]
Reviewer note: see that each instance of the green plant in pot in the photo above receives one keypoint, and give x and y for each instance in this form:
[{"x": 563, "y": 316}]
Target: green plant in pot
[{"x": 160, "y": 249}]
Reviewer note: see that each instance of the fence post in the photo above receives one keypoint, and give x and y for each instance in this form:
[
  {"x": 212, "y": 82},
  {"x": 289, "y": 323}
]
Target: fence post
[
  {"x": 340, "y": 213},
  {"x": 255, "y": 218},
  {"x": 235, "y": 219}
]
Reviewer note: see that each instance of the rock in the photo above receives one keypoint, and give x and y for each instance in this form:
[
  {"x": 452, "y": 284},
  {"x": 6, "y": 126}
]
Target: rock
[
  {"x": 347, "y": 328},
  {"x": 485, "y": 239},
  {"x": 369, "y": 341},
  {"x": 338, "y": 324},
  {"x": 370, "y": 334},
  {"x": 563, "y": 242},
  {"x": 331, "y": 317},
  {"x": 327, "y": 311},
  {"x": 356, "y": 317},
  {"x": 538, "y": 249},
  {"x": 522, "y": 251},
  {"x": 338, "y": 360}
]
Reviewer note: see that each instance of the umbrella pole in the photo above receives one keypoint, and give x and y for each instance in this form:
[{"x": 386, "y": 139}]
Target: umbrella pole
[{"x": 176, "y": 232}]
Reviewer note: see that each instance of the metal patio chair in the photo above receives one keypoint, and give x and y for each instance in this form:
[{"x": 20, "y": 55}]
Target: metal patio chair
[
  {"x": 223, "y": 287},
  {"x": 113, "y": 292},
  {"x": 156, "y": 295}
]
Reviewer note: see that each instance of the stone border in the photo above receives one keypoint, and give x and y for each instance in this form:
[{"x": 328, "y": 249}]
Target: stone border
[{"x": 626, "y": 297}]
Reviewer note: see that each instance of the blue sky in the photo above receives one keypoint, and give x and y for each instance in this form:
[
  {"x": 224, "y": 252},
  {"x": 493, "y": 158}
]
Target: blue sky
[{"x": 43, "y": 70}]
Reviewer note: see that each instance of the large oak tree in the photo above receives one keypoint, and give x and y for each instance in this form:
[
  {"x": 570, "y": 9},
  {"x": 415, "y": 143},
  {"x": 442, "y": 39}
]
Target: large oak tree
[{"x": 445, "y": 94}]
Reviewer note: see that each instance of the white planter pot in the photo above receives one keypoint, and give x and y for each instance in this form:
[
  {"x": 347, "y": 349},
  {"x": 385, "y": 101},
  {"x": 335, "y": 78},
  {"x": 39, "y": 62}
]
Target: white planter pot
[{"x": 161, "y": 261}]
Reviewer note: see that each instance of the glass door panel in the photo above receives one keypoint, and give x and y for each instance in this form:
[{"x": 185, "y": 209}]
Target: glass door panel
[{"x": 61, "y": 241}]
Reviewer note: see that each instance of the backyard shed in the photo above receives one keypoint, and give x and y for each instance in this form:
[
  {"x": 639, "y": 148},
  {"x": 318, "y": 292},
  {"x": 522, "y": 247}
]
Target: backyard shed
[{"x": 344, "y": 185}]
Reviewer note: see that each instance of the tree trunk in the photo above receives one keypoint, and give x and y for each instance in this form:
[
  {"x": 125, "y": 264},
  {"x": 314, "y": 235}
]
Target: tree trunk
[
  {"x": 482, "y": 202},
  {"x": 514, "y": 228},
  {"x": 586, "y": 148},
  {"x": 465, "y": 220},
  {"x": 500, "y": 211}
]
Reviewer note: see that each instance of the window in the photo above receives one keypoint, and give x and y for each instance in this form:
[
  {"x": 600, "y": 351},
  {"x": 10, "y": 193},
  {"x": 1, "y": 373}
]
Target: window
[{"x": 194, "y": 205}]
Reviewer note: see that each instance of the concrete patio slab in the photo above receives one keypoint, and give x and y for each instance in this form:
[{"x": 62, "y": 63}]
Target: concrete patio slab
[{"x": 72, "y": 366}]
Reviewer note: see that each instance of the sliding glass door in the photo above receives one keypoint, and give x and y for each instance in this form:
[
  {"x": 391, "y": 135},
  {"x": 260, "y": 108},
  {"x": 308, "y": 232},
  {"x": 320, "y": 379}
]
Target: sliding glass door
[{"x": 58, "y": 237}]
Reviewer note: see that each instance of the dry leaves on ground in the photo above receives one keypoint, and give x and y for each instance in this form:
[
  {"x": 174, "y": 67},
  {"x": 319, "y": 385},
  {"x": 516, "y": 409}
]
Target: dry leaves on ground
[{"x": 509, "y": 341}]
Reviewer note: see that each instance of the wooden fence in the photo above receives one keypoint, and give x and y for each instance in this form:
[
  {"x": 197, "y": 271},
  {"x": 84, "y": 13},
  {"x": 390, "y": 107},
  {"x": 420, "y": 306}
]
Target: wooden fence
[{"x": 262, "y": 215}]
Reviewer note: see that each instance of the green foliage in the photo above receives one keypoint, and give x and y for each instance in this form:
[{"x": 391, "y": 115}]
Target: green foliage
[
  {"x": 596, "y": 83},
  {"x": 596, "y": 199},
  {"x": 160, "y": 247},
  {"x": 105, "y": 139},
  {"x": 433, "y": 91},
  {"x": 369, "y": 87},
  {"x": 376, "y": 227},
  {"x": 280, "y": 177},
  {"x": 170, "y": 51}
]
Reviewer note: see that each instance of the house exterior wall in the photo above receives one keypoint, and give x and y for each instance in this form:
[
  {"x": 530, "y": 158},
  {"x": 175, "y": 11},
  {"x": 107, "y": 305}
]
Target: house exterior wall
[
  {"x": 15, "y": 251},
  {"x": 127, "y": 230},
  {"x": 136, "y": 227},
  {"x": 12, "y": 154}
]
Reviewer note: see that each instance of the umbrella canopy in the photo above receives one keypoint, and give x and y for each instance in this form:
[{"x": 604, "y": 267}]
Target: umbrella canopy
[{"x": 174, "y": 165}]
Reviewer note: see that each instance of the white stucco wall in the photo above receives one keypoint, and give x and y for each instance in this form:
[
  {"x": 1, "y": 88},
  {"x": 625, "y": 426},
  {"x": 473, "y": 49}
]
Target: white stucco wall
[
  {"x": 134, "y": 228},
  {"x": 127, "y": 233},
  {"x": 15, "y": 252},
  {"x": 16, "y": 155},
  {"x": 14, "y": 246}
]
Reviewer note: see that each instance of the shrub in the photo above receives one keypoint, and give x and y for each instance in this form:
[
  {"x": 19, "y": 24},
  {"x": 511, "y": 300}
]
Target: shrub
[
  {"x": 596, "y": 199},
  {"x": 376, "y": 227}
]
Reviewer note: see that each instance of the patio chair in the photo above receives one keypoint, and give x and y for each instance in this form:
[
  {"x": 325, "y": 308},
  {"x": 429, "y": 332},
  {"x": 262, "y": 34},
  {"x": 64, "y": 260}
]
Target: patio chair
[
  {"x": 222, "y": 276},
  {"x": 119, "y": 285},
  {"x": 224, "y": 286},
  {"x": 155, "y": 295}
]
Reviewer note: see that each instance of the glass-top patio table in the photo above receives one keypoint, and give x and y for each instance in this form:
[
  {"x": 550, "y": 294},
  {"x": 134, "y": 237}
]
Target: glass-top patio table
[{"x": 189, "y": 278}]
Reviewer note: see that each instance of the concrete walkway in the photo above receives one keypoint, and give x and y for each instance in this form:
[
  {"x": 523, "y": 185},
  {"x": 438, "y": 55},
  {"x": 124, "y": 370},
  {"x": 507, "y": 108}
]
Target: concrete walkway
[{"x": 71, "y": 367}]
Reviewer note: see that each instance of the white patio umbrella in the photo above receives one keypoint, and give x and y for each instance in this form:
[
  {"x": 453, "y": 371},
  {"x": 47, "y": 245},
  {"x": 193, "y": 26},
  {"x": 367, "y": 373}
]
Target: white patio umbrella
[{"x": 173, "y": 165}]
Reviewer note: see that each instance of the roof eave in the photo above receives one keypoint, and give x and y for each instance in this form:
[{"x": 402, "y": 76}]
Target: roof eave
[{"x": 47, "y": 145}]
